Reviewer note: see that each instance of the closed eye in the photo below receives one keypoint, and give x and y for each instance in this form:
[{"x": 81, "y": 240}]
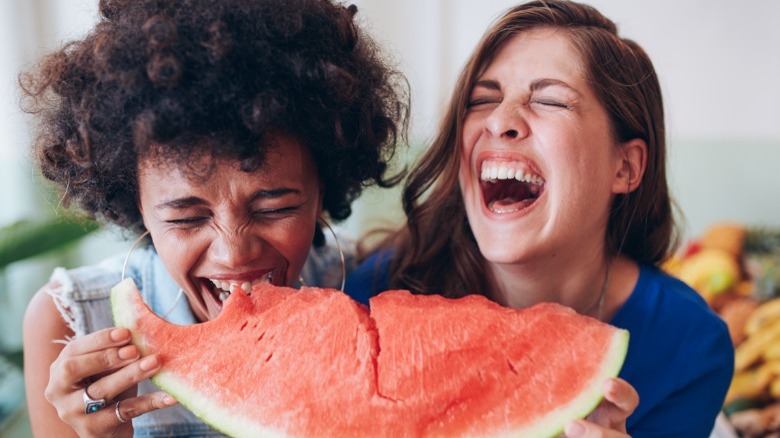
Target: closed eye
[
  {"x": 551, "y": 103},
  {"x": 187, "y": 221},
  {"x": 272, "y": 212},
  {"x": 479, "y": 102}
]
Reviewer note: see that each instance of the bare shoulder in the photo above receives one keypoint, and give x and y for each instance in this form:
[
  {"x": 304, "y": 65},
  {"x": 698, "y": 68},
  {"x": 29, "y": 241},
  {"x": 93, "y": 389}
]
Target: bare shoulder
[
  {"x": 43, "y": 322},
  {"x": 43, "y": 326}
]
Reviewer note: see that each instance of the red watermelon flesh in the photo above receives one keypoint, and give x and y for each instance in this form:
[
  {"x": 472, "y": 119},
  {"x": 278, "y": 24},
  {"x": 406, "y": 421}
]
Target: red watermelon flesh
[{"x": 313, "y": 362}]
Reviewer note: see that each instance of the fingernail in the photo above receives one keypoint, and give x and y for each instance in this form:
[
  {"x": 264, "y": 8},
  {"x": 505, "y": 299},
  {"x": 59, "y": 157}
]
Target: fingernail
[
  {"x": 128, "y": 352},
  {"x": 120, "y": 334},
  {"x": 169, "y": 401},
  {"x": 148, "y": 363},
  {"x": 574, "y": 429}
]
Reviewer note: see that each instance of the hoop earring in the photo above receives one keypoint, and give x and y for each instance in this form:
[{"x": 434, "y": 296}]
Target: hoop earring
[
  {"x": 341, "y": 253},
  {"x": 175, "y": 302},
  {"x": 130, "y": 251},
  {"x": 124, "y": 267}
]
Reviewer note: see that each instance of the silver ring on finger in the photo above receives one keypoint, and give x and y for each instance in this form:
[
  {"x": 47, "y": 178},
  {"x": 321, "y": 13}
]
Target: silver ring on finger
[
  {"x": 119, "y": 414},
  {"x": 92, "y": 405}
]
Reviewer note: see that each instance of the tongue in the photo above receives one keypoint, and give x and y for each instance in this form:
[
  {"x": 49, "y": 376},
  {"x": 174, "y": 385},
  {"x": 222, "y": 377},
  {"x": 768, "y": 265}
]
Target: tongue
[
  {"x": 505, "y": 202},
  {"x": 507, "y": 196},
  {"x": 508, "y": 205}
]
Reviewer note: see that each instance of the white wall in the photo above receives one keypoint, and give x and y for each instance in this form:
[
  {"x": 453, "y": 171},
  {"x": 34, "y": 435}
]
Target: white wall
[
  {"x": 29, "y": 28},
  {"x": 718, "y": 63}
]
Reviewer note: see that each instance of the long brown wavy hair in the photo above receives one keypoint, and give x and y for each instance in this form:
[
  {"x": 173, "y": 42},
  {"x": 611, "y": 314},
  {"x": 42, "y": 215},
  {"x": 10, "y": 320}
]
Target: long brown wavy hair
[{"x": 437, "y": 253}]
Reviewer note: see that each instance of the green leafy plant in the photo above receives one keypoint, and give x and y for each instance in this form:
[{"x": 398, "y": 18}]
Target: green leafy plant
[
  {"x": 22, "y": 240},
  {"x": 28, "y": 238}
]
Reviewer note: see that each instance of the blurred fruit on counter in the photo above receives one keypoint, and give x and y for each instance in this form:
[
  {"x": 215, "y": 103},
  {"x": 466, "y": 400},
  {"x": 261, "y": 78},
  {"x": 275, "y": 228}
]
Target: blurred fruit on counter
[{"x": 736, "y": 269}]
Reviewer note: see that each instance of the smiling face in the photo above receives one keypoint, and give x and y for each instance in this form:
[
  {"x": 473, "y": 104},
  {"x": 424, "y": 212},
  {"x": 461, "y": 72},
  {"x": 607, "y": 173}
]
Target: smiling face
[
  {"x": 232, "y": 228},
  {"x": 539, "y": 161}
]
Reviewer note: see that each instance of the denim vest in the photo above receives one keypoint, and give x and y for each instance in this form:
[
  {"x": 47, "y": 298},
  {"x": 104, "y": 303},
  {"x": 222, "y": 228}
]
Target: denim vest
[{"x": 83, "y": 299}]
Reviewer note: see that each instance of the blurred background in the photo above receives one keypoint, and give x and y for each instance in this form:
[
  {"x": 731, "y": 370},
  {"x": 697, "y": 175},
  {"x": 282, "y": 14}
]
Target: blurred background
[{"x": 718, "y": 65}]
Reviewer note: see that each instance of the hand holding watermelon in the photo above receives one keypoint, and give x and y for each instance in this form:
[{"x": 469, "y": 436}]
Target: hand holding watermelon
[
  {"x": 105, "y": 366},
  {"x": 609, "y": 418}
]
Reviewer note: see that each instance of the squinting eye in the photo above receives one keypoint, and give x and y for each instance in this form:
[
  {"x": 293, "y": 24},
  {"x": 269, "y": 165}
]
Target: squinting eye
[
  {"x": 274, "y": 211},
  {"x": 484, "y": 101},
  {"x": 186, "y": 221},
  {"x": 552, "y": 103}
]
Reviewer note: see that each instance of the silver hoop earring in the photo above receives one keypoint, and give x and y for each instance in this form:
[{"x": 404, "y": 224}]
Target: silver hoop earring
[
  {"x": 124, "y": 267},
  {"x": 175, "y": 302},
  {"x": 341, "y": 253},
  {"x": 130, "y": 251}
]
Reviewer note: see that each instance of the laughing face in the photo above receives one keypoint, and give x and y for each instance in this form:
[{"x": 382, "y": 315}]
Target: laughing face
[
  {"x": 539, "y": 161},
  {"x": 232, "y": 229}
]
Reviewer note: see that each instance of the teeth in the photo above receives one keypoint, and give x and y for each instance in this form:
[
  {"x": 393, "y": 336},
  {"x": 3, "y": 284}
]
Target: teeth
[
  {"x": 225, "y": 288},
  {"x": 501, "y": 170}
]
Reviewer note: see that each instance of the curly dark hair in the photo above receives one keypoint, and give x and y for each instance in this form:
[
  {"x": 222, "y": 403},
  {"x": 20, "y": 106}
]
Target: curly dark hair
[{"x": 198, "y": 76}]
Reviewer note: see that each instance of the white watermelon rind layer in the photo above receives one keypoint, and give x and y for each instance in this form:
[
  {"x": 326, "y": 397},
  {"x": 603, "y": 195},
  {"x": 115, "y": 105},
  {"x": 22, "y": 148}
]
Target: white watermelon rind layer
[
  {"x": 550, "y": 425},
  {"x": 226, "y": 421}
]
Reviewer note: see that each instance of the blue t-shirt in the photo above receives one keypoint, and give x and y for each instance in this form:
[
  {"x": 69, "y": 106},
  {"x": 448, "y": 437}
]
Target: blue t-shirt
[{"x": 680, "y": 356}]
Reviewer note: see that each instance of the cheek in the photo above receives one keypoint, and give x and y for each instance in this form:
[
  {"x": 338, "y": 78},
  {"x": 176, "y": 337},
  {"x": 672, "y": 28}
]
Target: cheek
[
  {"x": 293, "y": 244},
  {"x": 294, "y": 241},
  {"x": 470, "y": 135},
  {"x": 466, "y": 151},
  {"x": 178, "y": 253}
]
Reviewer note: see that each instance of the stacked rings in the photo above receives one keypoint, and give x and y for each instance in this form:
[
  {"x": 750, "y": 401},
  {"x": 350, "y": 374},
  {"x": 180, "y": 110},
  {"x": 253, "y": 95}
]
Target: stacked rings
[
  {"x": 119, "y": 414},
  {"x": 92, "y": 405}
]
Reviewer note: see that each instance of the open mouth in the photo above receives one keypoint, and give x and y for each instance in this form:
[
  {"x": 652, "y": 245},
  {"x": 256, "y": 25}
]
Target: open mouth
[
  {"x": 508, "y": 187},
  {"x": 222, "y": 289}
]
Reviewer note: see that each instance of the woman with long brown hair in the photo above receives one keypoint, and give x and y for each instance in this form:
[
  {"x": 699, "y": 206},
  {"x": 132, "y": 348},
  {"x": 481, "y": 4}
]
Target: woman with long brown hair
[{"x": 546, "y": 182}]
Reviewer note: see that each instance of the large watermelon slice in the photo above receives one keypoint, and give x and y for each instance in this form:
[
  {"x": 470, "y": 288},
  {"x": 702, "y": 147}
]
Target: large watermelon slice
[{"x": 284, "y": 362}]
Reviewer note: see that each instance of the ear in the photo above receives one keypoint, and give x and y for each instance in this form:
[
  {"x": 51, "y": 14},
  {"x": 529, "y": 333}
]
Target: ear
[{"x": 630, "y": 167}]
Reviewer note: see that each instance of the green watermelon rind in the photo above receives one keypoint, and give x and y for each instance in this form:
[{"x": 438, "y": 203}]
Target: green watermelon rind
[
  {"x": 552, "y": 424},
  {"x": 124, "y": 297},
  {"x": 203, "y": 407}
]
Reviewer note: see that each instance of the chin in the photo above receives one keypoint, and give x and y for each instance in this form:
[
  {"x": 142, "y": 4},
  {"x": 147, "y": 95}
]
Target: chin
[{"x": 500, "y": 255}]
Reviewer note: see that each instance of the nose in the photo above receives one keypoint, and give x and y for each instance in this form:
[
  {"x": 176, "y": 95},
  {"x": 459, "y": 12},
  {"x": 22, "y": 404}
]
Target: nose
[
  {"x": 507, "y": 121},
  {"x": 235, "y": 248}
]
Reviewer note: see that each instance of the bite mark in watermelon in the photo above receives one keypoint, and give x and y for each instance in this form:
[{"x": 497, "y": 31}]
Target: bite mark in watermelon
[{"x": 313, "y": 362}]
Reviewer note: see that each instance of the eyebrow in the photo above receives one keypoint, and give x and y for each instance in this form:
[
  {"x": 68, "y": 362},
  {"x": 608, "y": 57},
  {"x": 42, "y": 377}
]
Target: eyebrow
[
  {"x": 488, "y": 83},
  {"x": 192, "y": 201},
  {"x": 537, "y": 84}
]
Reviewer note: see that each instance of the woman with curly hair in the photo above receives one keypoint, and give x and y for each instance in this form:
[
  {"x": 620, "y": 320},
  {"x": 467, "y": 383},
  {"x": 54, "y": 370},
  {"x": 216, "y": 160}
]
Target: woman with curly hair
[
  {"x": 546, "y": 182},
  {"x": 226, "y": 131}
]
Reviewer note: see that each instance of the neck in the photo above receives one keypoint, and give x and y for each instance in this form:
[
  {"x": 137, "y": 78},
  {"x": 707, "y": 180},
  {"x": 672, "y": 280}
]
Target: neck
[{"x": 581, "y": 284}]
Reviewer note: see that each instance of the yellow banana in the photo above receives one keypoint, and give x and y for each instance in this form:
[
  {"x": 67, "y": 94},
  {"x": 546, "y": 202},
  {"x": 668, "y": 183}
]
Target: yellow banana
[
  {"x": 774, "y": 388},
  {"x": 751, "y": 349},
  {"x": 765, "y": 314},
  {"x": 750, "y": 384},
  {"x": 772, "y": 352},
  {"x": 771, "y": 367}
]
